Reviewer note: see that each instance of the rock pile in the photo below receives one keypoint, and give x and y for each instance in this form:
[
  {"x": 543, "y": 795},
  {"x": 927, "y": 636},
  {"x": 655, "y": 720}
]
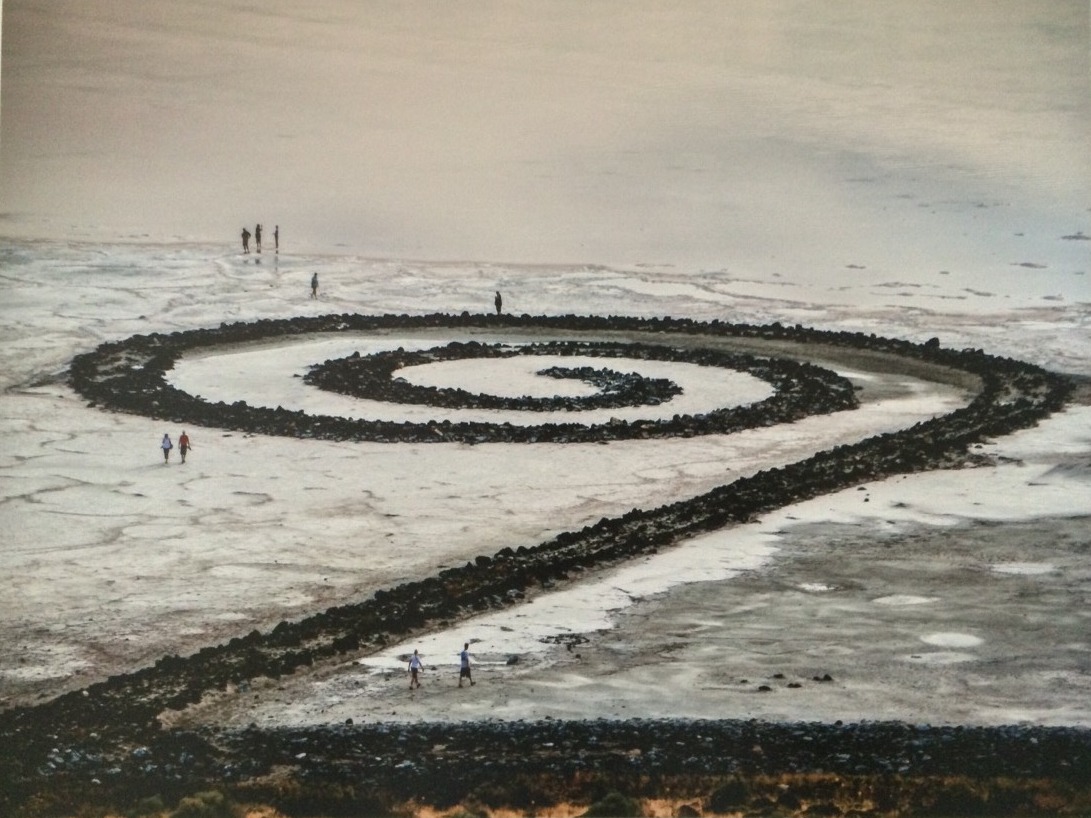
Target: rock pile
[
  {"x": 726, "y": 767},
  {"x": 109, "y": 733},
  {"x": 372, "y": 377},
  {"x": 130, "y": 376}
]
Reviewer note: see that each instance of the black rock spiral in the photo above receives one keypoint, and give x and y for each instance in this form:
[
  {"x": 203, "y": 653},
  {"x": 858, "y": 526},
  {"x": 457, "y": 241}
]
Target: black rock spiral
[{"x": 79, "y": 748}]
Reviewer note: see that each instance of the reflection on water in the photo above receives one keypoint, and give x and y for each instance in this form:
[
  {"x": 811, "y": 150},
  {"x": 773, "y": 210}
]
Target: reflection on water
[{"x": 825, "y": 142}]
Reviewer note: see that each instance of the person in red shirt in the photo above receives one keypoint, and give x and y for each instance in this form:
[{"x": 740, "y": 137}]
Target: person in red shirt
[{"x": 184, "y": 445}]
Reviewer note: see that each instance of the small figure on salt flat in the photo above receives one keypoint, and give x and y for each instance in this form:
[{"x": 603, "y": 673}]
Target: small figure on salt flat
[
  {"x": 499, "y": 302},
  {"x": 257, "y": 237},
  {"x": 184, "y": 445},
  {"x": 245, "y": 240},
  {"x": 415, "y": 667},
  {"x": 464, "y": 665},
  {"x": 276, "y": 238},
  {"x": 314, "y": 286},
  {"x": 166, "y": 446}
]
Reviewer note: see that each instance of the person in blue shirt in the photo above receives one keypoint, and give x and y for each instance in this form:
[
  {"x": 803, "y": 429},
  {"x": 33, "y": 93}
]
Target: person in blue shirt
[{"x": 464, "y": 665}]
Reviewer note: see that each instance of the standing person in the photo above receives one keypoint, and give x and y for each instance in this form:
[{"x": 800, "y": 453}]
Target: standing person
[
  {"x": 314, "y": 286},
  {"x": 498, "y": 301},
  {"x": 276, "y": 238},
  {"x": 415, "y": 667},
  {"x": 245, "y": 240},
  {"x": 184, "y": 445},
  {"x": 257, "y": 237},
  {"x": 166, "y": 446},
  {"x": 464, "y": 665}
]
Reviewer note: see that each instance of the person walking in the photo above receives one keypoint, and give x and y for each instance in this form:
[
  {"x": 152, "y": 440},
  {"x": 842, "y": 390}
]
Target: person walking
[
  {"x": 415, "y": 667},
  {"x": 276, "y": 238},
  {"x": 166, "y": 446},
  {"x": 499, "y": 302},
  {"x": 464, "y": 665},
  {"x": 314, "y": 286},
  {"x": 184, "y": 445},
  {"x": 257, "y": 237},
  {"x": 245, "y": 240}
]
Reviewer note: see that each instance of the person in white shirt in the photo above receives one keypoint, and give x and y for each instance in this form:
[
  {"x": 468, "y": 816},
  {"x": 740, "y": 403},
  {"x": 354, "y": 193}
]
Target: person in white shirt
[{"x": 415, "y": 667}]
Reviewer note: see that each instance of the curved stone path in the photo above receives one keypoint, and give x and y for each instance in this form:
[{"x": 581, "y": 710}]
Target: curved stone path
[{"x": 112, "y": 729}]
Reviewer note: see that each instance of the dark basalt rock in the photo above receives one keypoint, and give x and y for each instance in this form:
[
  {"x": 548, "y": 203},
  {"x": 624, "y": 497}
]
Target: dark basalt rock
[
  {"x": 515, "y": 763},
  {"x": 130, "y": 376},
  {"x": 372, "y": 377},
  {"x": 109, "y": 732}
]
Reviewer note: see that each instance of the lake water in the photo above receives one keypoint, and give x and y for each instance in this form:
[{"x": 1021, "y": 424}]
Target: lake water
[{"x": 824, "y": 143}]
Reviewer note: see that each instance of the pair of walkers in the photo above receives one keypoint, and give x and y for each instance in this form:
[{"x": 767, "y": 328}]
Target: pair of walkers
[
  {"x": 416, "y": 665},
  {"x": 184, "y": 445}
]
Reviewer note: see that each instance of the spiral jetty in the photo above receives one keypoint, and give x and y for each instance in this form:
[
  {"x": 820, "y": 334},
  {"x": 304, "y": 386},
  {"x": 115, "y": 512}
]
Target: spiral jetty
[{"x": 104, "y": 748}]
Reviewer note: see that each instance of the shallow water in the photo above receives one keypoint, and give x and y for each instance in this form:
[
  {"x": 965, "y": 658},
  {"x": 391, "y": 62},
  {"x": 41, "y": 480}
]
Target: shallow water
[{"x": 902, "y": 145}]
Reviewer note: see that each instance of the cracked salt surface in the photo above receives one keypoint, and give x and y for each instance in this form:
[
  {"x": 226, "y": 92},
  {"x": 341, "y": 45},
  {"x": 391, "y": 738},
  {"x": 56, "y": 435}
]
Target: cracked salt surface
[
  {"x": 106, "y": 542},
  {"x": 593, "y": 610}
]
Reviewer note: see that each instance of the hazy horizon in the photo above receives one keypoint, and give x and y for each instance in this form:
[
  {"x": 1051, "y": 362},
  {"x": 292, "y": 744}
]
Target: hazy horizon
[{"x": 810, "y": 139}]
